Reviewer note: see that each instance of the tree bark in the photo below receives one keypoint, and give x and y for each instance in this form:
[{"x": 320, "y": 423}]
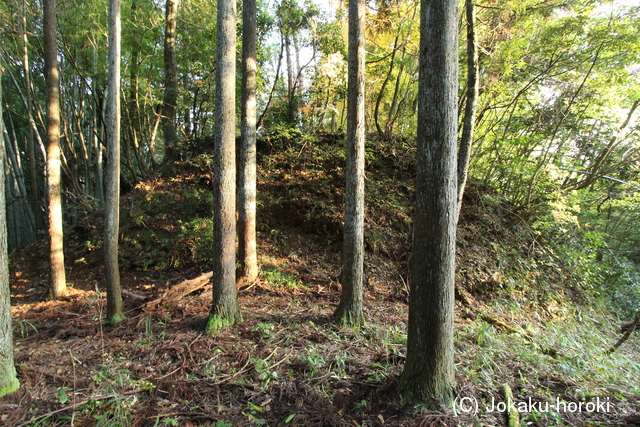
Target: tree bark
[
  {"x": 428, "y": 375},
  {"x": 473, "y": 83},
  {"x": 171, "y": 79},
  {"x": 225, "y": 310},
  {"x": 58, "y": 284},
  {"x": 115, "y": 313},
  {"x": 8, "y": 379},
  {"x": 247, "y": 254},
  {"x": 349, "y": 311}
]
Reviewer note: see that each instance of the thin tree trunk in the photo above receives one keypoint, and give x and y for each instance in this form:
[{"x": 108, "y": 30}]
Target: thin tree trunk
[
  {"x": 287, "y": 48},
  {"x": 349, "y": 311},
  {"x": 98, "y": 123},
  {"x": 31, "y": 147},
  {"x": 543, "y": 159},
  {"x": 8, "y": 378},
  {"x": 428, "y": 374},
  {"x": 593, "y": 171},
  {"x": 376, "y": 111},
  {"x": 133, "y": 111},
  {"x": 473, "y": 84},
  {"x": 225, "y": 310},
  {"x": 299, "y": 80},
  {"x": 115, "y": 313},
  {"x": 58, "y": 282},
  {"x": 14, "y": 160},
  {"x": 273, "y": 88},
  {"x": 394, "y": 100},
  {"x": 171, "y": 80},
  {"x": 247, "y": 254}
]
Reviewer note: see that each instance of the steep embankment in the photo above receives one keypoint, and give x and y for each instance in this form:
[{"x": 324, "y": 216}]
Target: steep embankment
[{"x": 521, "y": 319}]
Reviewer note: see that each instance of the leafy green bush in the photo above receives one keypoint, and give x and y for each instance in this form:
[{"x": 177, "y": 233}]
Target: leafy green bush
[
  {"x": 169, "y": 229},
  {"x": 197, "y": 240}
]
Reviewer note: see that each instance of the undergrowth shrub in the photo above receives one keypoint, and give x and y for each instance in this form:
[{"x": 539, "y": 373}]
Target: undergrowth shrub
[
  {"x": 197, "y": 239},
  {"x": 169, "y": 228},
  {"x": 581, "y": 249}
]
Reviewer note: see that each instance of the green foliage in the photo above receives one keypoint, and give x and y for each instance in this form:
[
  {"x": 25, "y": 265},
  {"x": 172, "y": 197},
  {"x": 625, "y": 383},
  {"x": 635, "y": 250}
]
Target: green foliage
[
  {"x": 170, "y": 229},
  {"x": 582, "y": 239},
  {"x": 112, "y": 412},
  {"x": 61, "y": 394},
  {"x": 276, "y": 278},
  {"x": 197, "y": 238},
  {"x": 313, "y": 361},
  {"x": 24, "y": 326},
  {"x": 253, "y": 413},
  {"x": 571, "y": 348},
  {"x": 266, "y": 373}
]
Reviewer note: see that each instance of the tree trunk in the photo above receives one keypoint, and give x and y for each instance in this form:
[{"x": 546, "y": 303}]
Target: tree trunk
[
  {"x": 349, "y": 311},
  {"x": 58, "y": 284},
  {"x": 287, "y": 48},
  {"x": 376, "y": 111},
  {"x": 274, "y": 87},
  {"x": 31, "y": 145},
  {"x": 97, "y": 120},
  {"x": 8, "y": 379},
  {"x": 428, "y": 375},
  {"x": 14, "y": 164},
  {"x": 171, "y": 80},
  {"x": 112, "y": 202},
  {"x": 247, "y": 255},
  {"x": 225, "y": 310},
  {"x": 473, "y": 84},
  {"x": 132, "y": 112}
]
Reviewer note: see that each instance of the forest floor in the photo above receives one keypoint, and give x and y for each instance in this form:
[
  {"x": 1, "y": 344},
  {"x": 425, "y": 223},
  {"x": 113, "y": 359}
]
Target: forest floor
[{"x": 520, "y": 319}]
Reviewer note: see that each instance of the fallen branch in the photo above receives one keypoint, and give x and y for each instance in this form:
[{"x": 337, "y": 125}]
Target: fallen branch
[
  {"x": 178, "y": 291},
  {"x": 499, "y": 323},
  {"x": 625, "y": 326},
  {"x": 513, "y": 417},
  {"x": 632, "y": 327},
  {"x": 134, "y": 296}
]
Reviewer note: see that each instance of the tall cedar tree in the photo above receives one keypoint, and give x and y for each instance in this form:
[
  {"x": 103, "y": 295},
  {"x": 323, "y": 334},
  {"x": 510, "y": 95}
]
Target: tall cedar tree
[
  {"x": 170, "y": 80},
  {"x": 225, "y": 310},
  {"x": 247, "y": 255},
  {"x": 428, "y": 375},
  {"x": 349, "y": 311},
  {"x": 58, "y": 281},
  {"x": 8, "y": 379},
  {"x": 112, "y": 203}
]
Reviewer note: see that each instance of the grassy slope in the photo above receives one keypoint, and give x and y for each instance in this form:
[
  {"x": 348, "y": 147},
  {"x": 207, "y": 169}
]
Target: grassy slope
[{"x": 520, "y": 320}]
